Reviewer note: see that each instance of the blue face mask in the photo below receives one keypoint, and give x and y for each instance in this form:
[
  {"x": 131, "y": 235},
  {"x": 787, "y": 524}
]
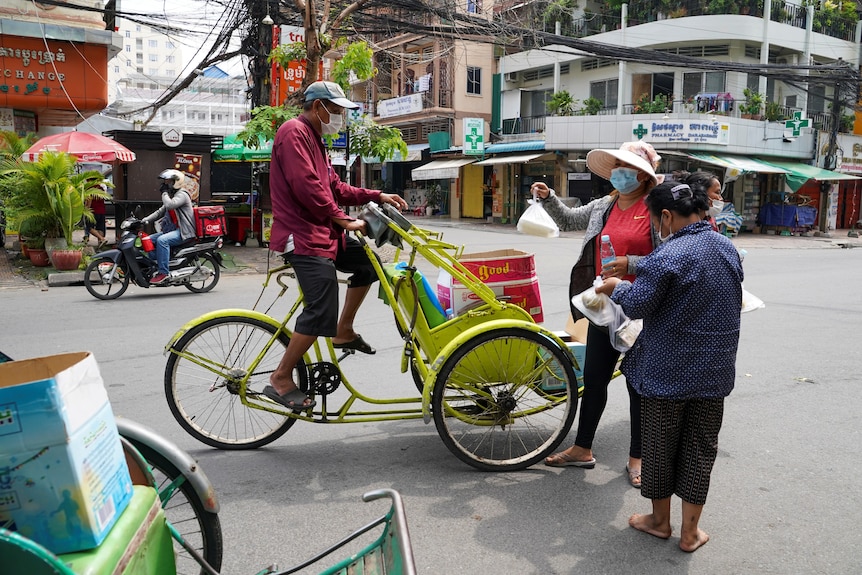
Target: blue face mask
[{"x": 625, "y": 180}]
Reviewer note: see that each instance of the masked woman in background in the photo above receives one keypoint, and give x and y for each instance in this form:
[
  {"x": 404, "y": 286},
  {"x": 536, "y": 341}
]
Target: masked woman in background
[{"x": 623, "y": 216}]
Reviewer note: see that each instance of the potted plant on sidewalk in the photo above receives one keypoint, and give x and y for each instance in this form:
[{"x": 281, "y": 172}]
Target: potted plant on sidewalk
[{"x": 49, "y": 195}]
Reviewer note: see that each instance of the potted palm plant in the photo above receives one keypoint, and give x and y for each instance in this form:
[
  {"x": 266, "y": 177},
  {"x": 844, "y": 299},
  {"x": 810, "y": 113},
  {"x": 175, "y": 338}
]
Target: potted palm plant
[{"x": 49, "y": 196}]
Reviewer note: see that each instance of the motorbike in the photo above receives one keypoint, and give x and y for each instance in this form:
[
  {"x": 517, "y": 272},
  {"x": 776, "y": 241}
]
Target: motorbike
[{"x": 194, "y": 264}]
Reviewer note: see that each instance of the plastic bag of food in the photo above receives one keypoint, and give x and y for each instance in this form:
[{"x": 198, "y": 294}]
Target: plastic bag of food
[
  {"x": 604, "y": 312},
  {"x": 535, "y": 221}
]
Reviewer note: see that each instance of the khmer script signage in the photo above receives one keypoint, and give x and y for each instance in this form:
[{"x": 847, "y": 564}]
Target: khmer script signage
[
  {"x": 409, "y": 104},
  {"x": 697, "y": 131}
]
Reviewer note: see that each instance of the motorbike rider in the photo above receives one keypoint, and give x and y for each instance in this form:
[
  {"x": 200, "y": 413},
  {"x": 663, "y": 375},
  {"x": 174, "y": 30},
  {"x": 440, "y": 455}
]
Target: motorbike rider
[{"x": 177, "y": 220}]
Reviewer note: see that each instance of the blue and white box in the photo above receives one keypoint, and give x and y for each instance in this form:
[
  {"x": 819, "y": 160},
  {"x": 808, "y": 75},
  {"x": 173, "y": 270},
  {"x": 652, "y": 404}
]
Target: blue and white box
[{"x": 63, "y": 476}]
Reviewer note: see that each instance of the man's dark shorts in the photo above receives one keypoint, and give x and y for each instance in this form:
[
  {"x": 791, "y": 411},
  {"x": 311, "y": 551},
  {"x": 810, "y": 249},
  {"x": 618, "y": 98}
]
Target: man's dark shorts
[{"x": 319, "y": 284}]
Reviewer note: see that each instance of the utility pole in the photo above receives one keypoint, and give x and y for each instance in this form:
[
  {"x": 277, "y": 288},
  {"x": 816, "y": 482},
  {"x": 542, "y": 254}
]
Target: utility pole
[
  {"x": 260, "y": 43},
  {"x": 830, "y": 159}
]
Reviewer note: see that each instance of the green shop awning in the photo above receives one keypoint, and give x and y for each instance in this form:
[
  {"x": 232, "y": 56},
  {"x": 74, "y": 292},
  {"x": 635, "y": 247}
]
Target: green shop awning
[
  {"x": 797, "y": 174},
  {"x": 233, "y": 150},
  {"x": 740, "y": 163}
]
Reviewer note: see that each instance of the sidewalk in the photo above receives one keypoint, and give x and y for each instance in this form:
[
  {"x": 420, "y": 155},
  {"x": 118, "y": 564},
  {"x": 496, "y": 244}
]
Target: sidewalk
[{"x": 251, "y": 259}]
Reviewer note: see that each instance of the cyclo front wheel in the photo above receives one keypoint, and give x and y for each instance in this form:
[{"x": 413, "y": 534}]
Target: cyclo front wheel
[
  {"x": 202, "y": 382},
  {"x": 505, "y": 399}
]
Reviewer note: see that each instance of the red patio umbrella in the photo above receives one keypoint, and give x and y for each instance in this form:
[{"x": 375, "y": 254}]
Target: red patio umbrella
[{"x": 85, "y": 146}]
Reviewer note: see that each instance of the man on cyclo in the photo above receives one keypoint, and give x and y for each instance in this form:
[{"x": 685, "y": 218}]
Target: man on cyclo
[{"x": 308, "y": 231}]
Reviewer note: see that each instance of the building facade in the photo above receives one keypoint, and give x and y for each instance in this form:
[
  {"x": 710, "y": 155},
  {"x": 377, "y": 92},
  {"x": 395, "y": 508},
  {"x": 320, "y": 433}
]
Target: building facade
[
  {"x": 703, "y": 117},
  {"x": 53, "y": 66}
]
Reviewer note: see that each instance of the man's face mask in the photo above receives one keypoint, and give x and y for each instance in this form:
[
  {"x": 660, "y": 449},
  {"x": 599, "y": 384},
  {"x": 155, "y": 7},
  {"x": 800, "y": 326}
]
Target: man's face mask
[{"x": 335, "y": 122}]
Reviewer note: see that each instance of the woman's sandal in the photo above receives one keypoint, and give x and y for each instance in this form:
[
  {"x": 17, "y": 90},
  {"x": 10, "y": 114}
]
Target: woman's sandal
[
  {"x": 634, "y": 476},
  {"x": 563, "y": 459}
]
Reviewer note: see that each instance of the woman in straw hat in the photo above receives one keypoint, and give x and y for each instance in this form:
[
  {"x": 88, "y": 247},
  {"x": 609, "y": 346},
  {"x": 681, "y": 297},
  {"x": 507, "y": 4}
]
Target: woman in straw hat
[{"x": 623, "y": 216}]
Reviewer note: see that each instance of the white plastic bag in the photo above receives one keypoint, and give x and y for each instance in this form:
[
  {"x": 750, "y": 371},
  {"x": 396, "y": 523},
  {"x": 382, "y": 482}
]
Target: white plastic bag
[
  {"x": 604, "y": 312},
  {"x": 750, "y": 302},
  {"x": 535, "y": 221}
]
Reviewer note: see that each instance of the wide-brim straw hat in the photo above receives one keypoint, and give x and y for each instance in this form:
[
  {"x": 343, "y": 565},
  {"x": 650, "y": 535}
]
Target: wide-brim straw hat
[{"x": 640, "y": 155}]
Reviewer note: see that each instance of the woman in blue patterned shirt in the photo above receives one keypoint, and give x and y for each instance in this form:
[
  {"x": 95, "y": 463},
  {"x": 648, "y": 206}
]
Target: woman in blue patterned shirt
[{"x": 688, "y": 292}]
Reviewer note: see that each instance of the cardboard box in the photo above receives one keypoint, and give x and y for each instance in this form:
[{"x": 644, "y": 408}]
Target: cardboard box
[
  {"x": 552, "y": 382},
  {"x": 500, "y": 265},
  {"x": 63, "y": 478},
  {"x": 511, "y": 274},
  {"x": 458, "y": 298}
]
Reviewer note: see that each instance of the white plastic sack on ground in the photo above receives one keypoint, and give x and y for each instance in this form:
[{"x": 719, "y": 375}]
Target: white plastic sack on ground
[
  {"x": 535, "y": 221},
  {"x": 750, "y": 302}
]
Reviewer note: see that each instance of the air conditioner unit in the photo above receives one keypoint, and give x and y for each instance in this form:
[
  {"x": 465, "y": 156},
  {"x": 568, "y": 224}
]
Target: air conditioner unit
[{"x": 511, "y": 76}]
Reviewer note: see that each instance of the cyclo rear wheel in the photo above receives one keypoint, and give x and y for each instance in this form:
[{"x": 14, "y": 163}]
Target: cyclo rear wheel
[
  {"x": 202, "y": 382},
  {"x": 184, "y": 509},
  {"x": 505, "y": 399}
]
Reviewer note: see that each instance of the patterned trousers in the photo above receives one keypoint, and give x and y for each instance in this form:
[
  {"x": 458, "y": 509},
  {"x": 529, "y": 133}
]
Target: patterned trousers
[{"x": 680, "y": 443}]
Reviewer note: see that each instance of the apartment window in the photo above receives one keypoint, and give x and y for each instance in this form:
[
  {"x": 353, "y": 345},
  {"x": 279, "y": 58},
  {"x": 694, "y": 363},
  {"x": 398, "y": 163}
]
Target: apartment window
[
  {"x": 606, "y": 91},
  {"x": 137, "y": 28},
  {"x": 139, "y": 43},
  {"x": 474, "y": 80},
  {"x": 153, "y": 43},
  {"x": 128, "y": 47},
  {"x": 128, "y": 33},
  {"x": 538, "y": 103},
  {"x": 152, "y": 72},
  {"x": 128, "y": 63},
  {"x": 116, "y": 69},
  {"x": 139, "y": 58},
  {"x": 139, "y": 69},
  {"x": 169, "y": 45},
  {"x": 694, "y": 83},
  {"x": 170, "y": 72},
  {"x": 169, "y": 59},
  {"x": 474, "y": 6},
  {"x": 154, "y": 57}
]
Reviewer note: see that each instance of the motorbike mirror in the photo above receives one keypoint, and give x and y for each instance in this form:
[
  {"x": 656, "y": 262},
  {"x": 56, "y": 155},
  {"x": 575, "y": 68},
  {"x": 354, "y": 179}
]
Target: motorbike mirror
[{"x": 136, "y": 210}]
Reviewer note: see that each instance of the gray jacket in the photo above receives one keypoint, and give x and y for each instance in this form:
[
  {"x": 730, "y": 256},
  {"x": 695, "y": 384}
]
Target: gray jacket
[
  {"x": 181, "y": 203},
  {"x": 591, "y": 218}
]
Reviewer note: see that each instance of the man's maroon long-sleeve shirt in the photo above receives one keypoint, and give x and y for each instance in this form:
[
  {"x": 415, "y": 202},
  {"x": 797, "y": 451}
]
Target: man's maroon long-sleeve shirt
[{"x": 306, "y": 192}]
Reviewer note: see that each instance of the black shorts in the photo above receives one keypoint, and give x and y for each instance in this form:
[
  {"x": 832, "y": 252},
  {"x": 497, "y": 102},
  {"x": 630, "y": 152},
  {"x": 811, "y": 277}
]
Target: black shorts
[{"x": 319, "y": 284}]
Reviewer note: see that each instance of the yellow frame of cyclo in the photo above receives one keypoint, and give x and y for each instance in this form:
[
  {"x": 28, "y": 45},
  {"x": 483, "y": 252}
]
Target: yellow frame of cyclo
[{"x": 439, "y": 343}]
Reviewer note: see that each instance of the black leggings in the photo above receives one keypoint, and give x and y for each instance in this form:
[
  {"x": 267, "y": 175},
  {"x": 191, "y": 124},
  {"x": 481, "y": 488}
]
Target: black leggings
[{"x": 599, "y": 363}]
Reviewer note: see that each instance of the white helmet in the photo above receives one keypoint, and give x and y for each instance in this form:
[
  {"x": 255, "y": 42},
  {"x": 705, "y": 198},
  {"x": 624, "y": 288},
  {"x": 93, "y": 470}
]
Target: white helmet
[{"x": 175, "y": 177}]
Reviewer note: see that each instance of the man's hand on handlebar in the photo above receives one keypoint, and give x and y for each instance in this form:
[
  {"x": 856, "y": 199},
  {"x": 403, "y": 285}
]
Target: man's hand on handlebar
[{"x": 393, "y": 200}]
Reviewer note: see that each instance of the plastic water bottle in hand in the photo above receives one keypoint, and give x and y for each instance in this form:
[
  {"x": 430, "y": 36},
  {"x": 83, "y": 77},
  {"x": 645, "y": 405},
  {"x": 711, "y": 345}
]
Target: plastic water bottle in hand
[{"x": 607, "y": 251}]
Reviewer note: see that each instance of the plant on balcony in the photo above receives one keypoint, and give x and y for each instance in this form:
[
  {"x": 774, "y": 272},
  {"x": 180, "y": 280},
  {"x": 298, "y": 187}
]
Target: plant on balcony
[
  {"x": 559, "y": 11},
  {"x": 846, "y": 123},
  {"x": 753, "y": 106},
  {"x": 592, "y": 106},
  {"x": 657, "y": 105},
  {"x": 774, "y": 113},
  {"x": 561, "y": 104}
]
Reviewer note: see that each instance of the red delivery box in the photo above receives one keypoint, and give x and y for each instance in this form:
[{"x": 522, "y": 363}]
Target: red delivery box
[{"x": 210, "y": 221}]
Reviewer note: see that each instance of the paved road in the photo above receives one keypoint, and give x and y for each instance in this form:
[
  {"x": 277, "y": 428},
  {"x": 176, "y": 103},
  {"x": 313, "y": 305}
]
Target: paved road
[{"x": 784, "y": 498}]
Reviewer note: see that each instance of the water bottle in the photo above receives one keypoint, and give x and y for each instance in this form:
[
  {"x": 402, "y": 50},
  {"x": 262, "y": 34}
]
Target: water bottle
[{"x": 606, "y": 252}]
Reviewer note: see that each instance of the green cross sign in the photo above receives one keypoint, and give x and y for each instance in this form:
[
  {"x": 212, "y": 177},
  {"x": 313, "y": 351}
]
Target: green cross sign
[
  {"x": 474, "y": 136},
  {"x": 796, "y": 124},
  {"x": 640, "y": 131}
]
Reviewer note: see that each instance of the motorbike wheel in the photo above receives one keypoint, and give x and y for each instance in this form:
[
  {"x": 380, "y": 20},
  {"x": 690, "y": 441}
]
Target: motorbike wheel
[
  {"x": 97, "y": 275},
  {"x": 209, "y": 262},
  {"x": 183, "y": 507},
  {"x": 202, "y": 382}
]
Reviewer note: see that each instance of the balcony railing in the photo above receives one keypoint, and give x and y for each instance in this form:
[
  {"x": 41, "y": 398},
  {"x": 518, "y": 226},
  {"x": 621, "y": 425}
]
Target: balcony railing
[
  {"x": 525, "y": 125},
  {"x": 828, "y": 22},
  {"x": 536, "y": 124}
]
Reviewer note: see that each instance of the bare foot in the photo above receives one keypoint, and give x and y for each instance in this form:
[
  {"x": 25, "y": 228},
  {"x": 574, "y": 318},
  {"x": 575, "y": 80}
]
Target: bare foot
[
  {"x": 689, "y": 544},
  {"x": 648, "y": 524}
]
